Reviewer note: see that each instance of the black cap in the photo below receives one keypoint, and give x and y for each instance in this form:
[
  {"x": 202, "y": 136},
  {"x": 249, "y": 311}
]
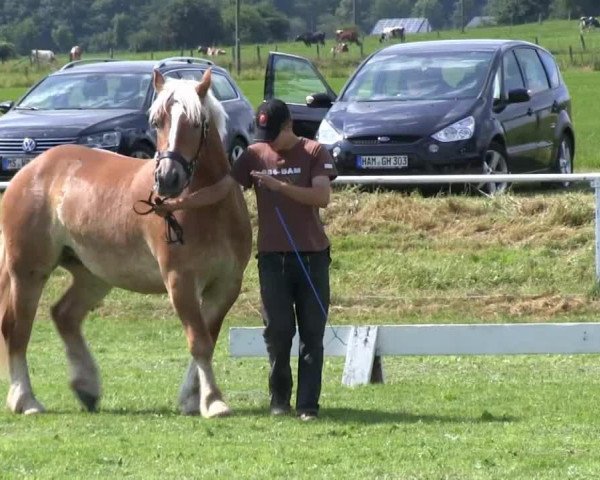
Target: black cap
[{"x": 270, "y": 117}]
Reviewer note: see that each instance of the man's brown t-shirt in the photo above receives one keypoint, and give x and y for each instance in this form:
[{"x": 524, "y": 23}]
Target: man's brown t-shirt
[{"x": 304, "y": 161}]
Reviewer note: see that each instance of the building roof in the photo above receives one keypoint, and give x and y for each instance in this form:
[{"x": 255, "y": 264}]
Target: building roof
[
  {"x": 411, "y": 25},
  {"x": 481, "y": 22}
]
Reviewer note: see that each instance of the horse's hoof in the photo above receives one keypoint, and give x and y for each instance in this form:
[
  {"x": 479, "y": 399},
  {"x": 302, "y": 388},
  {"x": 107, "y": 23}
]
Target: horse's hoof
[
  {"x": 21, "y": 402},
  {"x": 89, "y": 401},
  {"x": 218, "y": 408}
]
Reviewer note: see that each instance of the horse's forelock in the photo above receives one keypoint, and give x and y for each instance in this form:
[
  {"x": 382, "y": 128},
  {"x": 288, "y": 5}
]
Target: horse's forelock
[{"x": 184, "y": 93}]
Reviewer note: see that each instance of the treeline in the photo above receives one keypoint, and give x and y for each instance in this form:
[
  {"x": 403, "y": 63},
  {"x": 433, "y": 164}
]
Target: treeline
[{"x": 142, "y": 25}]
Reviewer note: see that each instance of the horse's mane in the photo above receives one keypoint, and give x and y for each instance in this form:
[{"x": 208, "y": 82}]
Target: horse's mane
[{"x": 184, "y": 92}]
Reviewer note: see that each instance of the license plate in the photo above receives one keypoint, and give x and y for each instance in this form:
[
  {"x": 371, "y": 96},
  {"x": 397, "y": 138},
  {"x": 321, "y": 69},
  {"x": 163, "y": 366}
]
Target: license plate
[
  {"x": 14, "y": 163},
  {"x": 382, "y": 161}
]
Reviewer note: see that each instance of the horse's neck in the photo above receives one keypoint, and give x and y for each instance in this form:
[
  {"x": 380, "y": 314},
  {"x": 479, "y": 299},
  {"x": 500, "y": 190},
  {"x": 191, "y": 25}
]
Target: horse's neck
[{"x": 213, "y": 163}]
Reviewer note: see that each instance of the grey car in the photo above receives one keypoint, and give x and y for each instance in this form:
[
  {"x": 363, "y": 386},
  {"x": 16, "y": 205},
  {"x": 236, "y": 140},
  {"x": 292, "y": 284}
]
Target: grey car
[{"x": 104, "y": 104}]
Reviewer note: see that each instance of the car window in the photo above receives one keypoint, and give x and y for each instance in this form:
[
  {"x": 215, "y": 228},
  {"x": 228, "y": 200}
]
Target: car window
[
  {"x": 422, "y": 76},
  {"x": 89, "y": 91},
  {"x": 220, "y": 85},
  {"x": 295, "y": 80},
  {"x": 551, "y": 68},
  {"x": 532, "y": 67},
  {"x": 512, "y": 74}
]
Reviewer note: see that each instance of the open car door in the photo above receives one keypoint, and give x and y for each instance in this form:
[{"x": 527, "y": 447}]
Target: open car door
[{"x": 297, "y": 82}]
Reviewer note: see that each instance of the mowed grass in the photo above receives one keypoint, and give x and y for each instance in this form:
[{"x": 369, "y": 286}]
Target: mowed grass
[{"x": 399, "y": 257}]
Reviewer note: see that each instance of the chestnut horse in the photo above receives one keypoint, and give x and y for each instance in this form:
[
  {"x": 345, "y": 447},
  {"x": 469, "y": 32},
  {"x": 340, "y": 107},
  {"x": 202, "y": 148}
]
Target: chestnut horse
[{"x": 73, "y": 206}]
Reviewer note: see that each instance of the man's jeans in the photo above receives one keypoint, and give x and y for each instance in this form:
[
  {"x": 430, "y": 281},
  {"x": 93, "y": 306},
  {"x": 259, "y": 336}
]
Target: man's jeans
[{"x": 287, "y": 298}]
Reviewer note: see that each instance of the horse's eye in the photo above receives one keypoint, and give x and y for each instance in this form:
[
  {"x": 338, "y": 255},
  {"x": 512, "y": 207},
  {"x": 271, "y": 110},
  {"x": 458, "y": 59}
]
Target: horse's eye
[{"x": 155, "y": 124}]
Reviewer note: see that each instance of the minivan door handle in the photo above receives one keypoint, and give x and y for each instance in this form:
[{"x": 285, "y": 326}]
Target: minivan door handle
[{"x": 554, "y": 108}]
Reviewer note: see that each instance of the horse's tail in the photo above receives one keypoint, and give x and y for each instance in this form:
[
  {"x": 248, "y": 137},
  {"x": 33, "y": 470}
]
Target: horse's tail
[{"x": 4, "y": 300}]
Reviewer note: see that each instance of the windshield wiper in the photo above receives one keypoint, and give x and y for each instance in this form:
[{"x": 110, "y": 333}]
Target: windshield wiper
[{"x": 26, "y": 108}]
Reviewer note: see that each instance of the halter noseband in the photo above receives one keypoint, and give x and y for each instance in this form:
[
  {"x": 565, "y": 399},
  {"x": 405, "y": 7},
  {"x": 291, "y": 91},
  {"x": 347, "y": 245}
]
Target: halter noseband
[{"x": 188, "y": 167}]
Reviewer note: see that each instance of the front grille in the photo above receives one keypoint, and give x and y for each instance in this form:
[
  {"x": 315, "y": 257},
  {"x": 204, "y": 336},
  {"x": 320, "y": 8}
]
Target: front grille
[
  {"x": 393, "y": 140},
  {"x": 14, "y": 146}
]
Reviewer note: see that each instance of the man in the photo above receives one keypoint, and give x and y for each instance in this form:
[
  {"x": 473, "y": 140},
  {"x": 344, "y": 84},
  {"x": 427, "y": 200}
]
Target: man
[{"x": 291, "y": 179}]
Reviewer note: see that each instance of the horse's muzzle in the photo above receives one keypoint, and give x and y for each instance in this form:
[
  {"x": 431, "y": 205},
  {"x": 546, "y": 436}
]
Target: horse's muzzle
[{"x": 172, "y": 173}]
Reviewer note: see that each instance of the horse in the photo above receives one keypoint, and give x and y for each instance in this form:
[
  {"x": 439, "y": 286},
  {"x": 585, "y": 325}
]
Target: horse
[
  {"x": 311, "y": 37},
  {"x": 42, "y": 56},
  {"x": 73, "y": 206},
  {"x": 339, "y": 48},
  {"x": 75, "y": 53}
]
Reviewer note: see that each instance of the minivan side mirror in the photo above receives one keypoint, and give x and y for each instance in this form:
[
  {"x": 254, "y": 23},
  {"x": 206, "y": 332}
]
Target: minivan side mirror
[
  {"x": 518, "y": 95},
  {"x": 6, "y": 106},
  {"x": 319, "y": 100}
]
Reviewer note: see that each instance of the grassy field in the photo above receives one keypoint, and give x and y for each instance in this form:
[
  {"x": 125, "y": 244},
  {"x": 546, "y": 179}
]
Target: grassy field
[{"x": 398, "y": 258}]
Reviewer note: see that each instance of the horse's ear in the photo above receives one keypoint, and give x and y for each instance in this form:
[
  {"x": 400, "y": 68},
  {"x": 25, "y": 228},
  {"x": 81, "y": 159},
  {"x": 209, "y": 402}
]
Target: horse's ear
[
  {"x": 158, "y": 81},
  {"x": 204, "y": 84}
]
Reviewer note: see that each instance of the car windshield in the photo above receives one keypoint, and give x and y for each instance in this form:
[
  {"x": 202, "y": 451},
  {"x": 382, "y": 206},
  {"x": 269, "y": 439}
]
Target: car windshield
[
  {"x": 420, "y": 76},
  {"x": 89, "y": 91}
]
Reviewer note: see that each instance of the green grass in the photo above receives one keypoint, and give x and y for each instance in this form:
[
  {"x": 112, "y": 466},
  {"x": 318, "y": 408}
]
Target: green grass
[{"x": 397, "y": 259}]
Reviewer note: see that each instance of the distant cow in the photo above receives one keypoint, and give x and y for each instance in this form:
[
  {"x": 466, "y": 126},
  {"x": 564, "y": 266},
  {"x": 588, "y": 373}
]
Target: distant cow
[
  {"x": 211, "y": 51},
  {"x": 75, "y": 53},
  {"x": 587, "y": 23},
  {"x": 392, "y": 32},
  {"x": 348, "y": 35},
  {"x": 42, "y": 56},
  {"x": 311, "y": 37},
  {"x": 339, "y": 48}
]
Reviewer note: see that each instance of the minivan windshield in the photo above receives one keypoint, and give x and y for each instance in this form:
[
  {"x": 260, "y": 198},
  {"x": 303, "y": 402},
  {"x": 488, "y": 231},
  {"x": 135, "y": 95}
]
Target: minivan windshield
[
  {"x": 420, "y": 76},
  {"x": 89, "y": 91}
]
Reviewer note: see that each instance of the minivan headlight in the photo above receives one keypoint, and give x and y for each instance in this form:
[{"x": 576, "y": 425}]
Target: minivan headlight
[
  {"x": 461, "y": 130},
  {"x": 327, "y": 134},
  {"x": 102, "y": 140}
]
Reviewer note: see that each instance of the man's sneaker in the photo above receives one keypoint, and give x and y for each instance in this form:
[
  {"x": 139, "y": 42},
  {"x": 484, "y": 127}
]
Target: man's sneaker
[
  {"x": 280, "y": 410},
  {"x": 308, "y": 416}
]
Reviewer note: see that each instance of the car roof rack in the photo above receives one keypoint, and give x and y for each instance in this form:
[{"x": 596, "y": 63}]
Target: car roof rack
[
  {"x": 190, "y": 60},
  {"x": 76, "y": 63}
]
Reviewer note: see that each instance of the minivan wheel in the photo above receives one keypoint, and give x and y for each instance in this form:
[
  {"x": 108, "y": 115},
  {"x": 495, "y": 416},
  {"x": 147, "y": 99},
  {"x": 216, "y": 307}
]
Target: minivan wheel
[
  {"x": 564, "y": 160},
  {"x": 142, "y": 150},
  {"x": 494, "y": 163},
  {"x": 237, "y": 149}
]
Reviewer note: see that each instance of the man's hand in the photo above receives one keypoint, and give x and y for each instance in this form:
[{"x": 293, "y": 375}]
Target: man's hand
[{"x": 266, "y": 180}]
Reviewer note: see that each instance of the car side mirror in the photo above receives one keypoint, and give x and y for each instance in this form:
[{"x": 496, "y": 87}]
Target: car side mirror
[
  {"x": 518, "y": 95},
  {"x": 6, "y": 106},
  {"x": 319, "y": 100}
]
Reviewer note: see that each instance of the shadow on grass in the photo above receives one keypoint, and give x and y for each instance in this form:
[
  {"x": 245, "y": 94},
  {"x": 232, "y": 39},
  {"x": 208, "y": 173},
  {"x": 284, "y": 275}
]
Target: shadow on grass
[{"x": 371, "y": 417}]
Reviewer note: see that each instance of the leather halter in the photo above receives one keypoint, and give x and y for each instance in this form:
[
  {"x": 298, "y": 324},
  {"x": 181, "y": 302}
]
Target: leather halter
[
  {"x": 173, "y": 230},
  {"x": 188, "y": 167}
]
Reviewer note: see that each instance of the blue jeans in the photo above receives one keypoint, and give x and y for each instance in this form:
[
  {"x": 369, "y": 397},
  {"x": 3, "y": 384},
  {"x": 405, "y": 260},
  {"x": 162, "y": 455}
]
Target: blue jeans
[{"x": 288, "y": 299}]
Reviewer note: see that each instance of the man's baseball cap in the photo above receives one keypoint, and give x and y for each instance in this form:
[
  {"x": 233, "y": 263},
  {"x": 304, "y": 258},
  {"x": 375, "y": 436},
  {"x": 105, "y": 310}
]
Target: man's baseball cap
[{"x": 270, "y": 117}]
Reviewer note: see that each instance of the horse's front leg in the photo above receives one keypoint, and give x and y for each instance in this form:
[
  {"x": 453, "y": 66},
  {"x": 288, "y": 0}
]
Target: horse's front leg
[{"x": 184, "y": 297}]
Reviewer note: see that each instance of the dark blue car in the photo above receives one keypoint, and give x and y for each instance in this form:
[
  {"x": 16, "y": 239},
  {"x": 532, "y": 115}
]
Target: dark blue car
[
  {"x": 104, "y": 104},
  {"x": 436, "y": 107}
]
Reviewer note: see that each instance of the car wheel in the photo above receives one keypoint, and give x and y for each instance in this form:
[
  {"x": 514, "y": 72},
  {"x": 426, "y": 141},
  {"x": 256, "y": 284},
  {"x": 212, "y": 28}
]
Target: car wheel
[
  {"x": 564, "y": 159},
  {"x": 238, "y": 147},
  {"x": 494, "y": 162},
  {"x": 142, "y": 150}
]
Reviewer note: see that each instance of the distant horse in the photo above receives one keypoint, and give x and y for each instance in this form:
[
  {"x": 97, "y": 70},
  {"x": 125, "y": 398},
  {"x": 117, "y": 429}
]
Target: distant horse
[
  {"x": 73, "y": 206},
  {"x": 348, "y": 35},
  {"x": 211, "y": 51},
  {"x": 392, "y": 32},
  {"x": 311, "y": 37},
  {"x": 75, "y": 53},
  {"x": 42, "y": 56},
  {"x": 339, "y": 48}
]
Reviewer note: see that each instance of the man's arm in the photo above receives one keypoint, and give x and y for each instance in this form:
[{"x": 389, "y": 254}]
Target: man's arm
[
  {"x": 317, "y": 195},
  {"x": 200, "y": 198}
]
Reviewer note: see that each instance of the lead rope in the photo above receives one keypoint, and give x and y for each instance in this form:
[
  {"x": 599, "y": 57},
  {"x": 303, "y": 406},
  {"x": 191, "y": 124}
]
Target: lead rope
[
  {"x": 306, "y": 274},
  {"x": 172, "y": 226}
]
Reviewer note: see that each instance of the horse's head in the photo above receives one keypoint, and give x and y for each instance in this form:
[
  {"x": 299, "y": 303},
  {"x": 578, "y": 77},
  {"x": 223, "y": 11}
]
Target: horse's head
[{"x": 181, "y": 114}]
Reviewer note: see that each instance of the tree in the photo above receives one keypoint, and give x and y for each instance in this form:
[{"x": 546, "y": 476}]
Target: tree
[
  {"x": 7, "y": 51},
  {"x": 431, "y": 10},
  {"x": 63, "y": 37}
]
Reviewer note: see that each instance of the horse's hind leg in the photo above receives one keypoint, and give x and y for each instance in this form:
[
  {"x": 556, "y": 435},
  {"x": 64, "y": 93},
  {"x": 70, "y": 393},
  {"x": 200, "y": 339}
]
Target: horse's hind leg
[
  {"x": 68, "y": 313},
  {"x": 217, "y": 299},
  {"x": 21, "y": 296}
]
